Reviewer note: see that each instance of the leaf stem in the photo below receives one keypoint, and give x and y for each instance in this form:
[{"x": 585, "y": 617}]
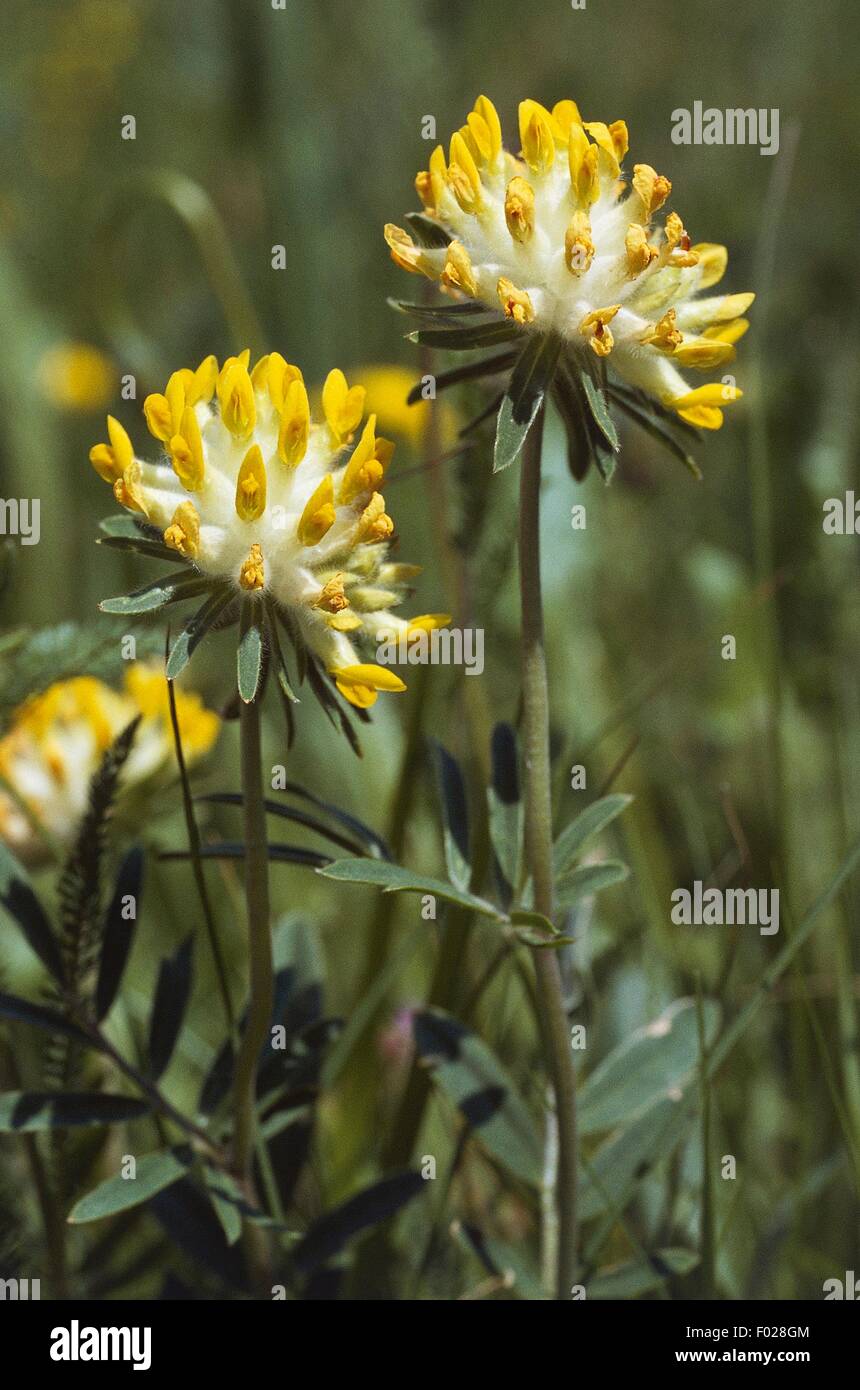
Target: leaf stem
[{"x": 538, "y": 845}]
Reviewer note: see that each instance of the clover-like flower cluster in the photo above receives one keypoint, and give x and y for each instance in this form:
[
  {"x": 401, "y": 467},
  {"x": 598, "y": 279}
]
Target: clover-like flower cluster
[
  {"x": 57, "y": 740},
  {"x": 252, "y": 491},
  {"x": 559, "y": 242}
]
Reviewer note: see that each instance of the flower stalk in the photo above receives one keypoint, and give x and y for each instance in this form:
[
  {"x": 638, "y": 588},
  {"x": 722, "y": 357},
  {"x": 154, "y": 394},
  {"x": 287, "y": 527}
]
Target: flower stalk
[
  {"x": 260, "y": 968},
  {"x": 538, "y": 837}
]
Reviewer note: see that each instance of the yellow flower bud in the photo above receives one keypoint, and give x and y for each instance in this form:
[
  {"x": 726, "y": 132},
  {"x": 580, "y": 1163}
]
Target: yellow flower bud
[
  {"x": 520, "y": 209},
  {"x": 516, "y": 303},
  {"x": 183, "y": 533},
  {"x": 251, "y": 486},
  {"x": 318, "y": 515},
  {"x": 252, "y": 574},
  {"x": 295, "y": 426}
]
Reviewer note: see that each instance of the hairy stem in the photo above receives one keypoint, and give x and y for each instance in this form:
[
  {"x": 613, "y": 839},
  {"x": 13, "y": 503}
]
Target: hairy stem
[{"x": 538, "y": 837}]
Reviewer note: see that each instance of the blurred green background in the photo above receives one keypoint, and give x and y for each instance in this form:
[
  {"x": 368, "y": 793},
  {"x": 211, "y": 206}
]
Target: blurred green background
[{"x": 303, "y": 128}]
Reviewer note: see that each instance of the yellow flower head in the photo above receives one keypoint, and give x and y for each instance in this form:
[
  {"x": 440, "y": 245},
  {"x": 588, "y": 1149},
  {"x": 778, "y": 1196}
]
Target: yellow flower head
[
  {"x": 77, "y": 377},
  {"x": 57, "y": 740},
  {"x": 560, "y": 241},
  {"x": 255, "y": 494}
]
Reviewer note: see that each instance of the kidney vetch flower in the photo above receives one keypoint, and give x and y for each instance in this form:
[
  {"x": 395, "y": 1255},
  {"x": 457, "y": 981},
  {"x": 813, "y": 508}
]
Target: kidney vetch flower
[
  {"x": 560, "y": 245},
  {"x": 265, "y": 508},
  {"x": 57, "y": 739}
]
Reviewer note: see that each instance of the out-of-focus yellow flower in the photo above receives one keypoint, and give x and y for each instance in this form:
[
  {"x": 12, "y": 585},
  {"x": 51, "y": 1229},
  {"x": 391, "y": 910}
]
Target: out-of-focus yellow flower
[
  {"x": 388, "y": 385},
  {"x": 77, "y": 376},
  {"x": 253, "y": 492},
  {"x": 57, "y": 740}
]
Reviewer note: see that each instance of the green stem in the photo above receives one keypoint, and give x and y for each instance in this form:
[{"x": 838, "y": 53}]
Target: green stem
[
  {"x": 197, "y": 865},
  {"x": 538, "y": 844},
  {"x": 259, "y": 965}
]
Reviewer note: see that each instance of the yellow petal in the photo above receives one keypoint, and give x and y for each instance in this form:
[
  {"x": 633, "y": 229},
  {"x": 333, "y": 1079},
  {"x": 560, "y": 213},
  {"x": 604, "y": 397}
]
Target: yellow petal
[
  {"x": 703, "y": 353},
  {"x": 202, "y": 385},
  {"x": 252, "y": 575},
  {"x": 120, "y": 444},
  {"x": 714, "y": 393},
  {"x": 653, "y": 188},
  {"x": 458, "y": 273},
  {"x": 489, "y": 115},
  {"x": 520, "y": 209},
  {"x": 279, "y": 377},
  {"x": 127, "y": 489},
  {"x": 183, "y": 533},
  {"x": 427, "y": 622},
  {"x": 640, "y": 253},
  {"x": 515, "y": 302},
  {"x": 582, "y": 159},
  {"x": 295, "y": 425},
  {"x": 174, "y": 394},
  {"x": 375, "y": 524},
  {"x": 364, "y": 469},
  {"x": 405, "y": 253},
  {"x": 158, "y": 417},
  {"x": 236, "y": 398},
  {"x": 620, "y": 138},
  {"x": 602, "y": 137},
  {"x": 730, "y": 332},
  {"x": 481, "y": 139},
  {"x": 713, "y": 260},
  {"x": 537, "y": 136},
  {"x": 565, "y": 114},
  {"x": 251, "y": 486},
  {"x": 594, "y": 328},
  {"x": 346, "y": 621},
  {"x": 578, "y": 245},
  {"x": 319, "y": 513},
  {"x": 359, "y": 684},
  {"x": 186, "y": 452},
  {"x": 343, "y": 406},
  {"x": 664, "y": 334}
]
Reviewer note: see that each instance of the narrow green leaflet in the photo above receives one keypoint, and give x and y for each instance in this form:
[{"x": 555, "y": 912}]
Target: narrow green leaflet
[
  {"x": 153, "y": 1173},
  {"x": 529, "y": 383},
  {"x": 597, "y": 404},
  {"x": 468, "y": 1073},
  {"x": 443, "y": 313},
  {"x": 505, "y": 809},
  {"x": 170, "y": 588},
  {"x": 249, "y": 658},
  {"x": 392, "y": 878},
  {"x": 626, "y": 1158},
  {"x": 477, "y": 335},
  {"x": 455, "y": 815},
  {"x": 20, "y": 901},
  {"x": 23, "y": 1112},
  {"x": 123, "y": 524},
  {"x": 471, "y": 371},
  {"x": 637, "y": 1277},
  {"x": 587, "y": 824},
  {"x": 649, "y": 1064},
  {"x": 195, "y": 630},
  {"x": 581, "y": 883}
]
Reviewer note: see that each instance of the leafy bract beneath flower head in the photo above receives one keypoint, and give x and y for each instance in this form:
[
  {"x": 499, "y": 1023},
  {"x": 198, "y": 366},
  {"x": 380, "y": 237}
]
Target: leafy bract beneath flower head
[
  {"x": 261, "y": 499},
  {"x": 561, "y": 242}
]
